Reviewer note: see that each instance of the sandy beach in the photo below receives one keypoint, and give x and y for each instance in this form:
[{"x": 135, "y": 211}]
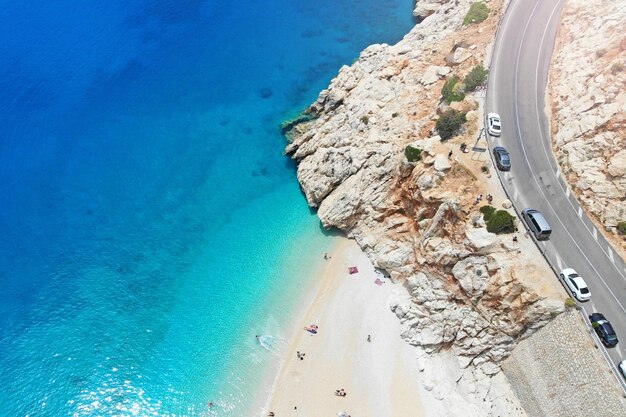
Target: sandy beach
[{"x": 380, "y": 377}]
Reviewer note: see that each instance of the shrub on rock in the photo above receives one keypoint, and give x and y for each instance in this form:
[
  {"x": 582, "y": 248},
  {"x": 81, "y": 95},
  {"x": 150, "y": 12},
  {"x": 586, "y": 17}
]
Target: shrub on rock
[
  {"x": 475, "y": 78},
  {"x": 476, "y": 14},
  {"x": 621, "y": 228},
  {"x": 452, "y": 90},
  {"x": 449, "y": 123},
  {"x": 487, "y": 212},
  {"x": 501, "y": 222},
  {"x": 412, "y": 154}
]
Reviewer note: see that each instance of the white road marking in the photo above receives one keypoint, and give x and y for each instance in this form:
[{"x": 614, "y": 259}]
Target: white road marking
[
  {"x": 611, "y": 255},
  {"x": 557, "y": 173},
  {"x": 515, "y": 194},
  {"x": 580, "y": 212},
  {"x": 595, "y": 234},
  {"x": 519, "y": 133},
  {"x": 558, "y": 262},
  {"x": 619, "y": 352},
  {"x": 567, "y": 193}
]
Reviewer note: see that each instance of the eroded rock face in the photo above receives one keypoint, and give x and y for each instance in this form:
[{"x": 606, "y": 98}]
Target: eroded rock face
[
  {"x": 588, "y": 97},
  {"x": 469, "y": 290}
]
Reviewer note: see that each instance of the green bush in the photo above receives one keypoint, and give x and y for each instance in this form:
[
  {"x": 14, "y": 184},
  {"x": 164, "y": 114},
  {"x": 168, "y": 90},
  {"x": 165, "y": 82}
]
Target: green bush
[
  {"x": 501, "y": 222},
  {"x": 476, "y": 14},
  {"x": 476, "y": 77},
  {"x": 617, "y": 67},
  {"x": 449, "y": 123},
  {"x": 570, "y": 303},
  {"x": 451, "y": 92},
  {"x": 487, "y": 212},
  {"x": 365, "y": 119},
  {"x": 412, "y": 154},
  {"x": 621, "y": 228}
]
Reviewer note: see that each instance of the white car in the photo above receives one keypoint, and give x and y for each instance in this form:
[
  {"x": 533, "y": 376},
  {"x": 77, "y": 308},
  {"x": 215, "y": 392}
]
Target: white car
[
  {"x": 493, "y": 124},
  {"x": 576, "y": 284},
  {"x": 622, "y": 368}
]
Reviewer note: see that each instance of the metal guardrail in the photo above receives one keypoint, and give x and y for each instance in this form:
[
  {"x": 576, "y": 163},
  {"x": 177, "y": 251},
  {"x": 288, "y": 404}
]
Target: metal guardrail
[{"x": 620, "y": 381}]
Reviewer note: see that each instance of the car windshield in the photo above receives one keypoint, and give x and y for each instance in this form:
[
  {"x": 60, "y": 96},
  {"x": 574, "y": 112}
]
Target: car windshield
[
  {"x": 584, "y": 290},
  {"x": 609, "y": 331},
  {"x": 504, "y": 157}
]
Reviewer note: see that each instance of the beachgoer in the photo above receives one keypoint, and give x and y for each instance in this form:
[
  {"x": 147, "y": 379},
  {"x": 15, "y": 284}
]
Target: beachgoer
[
  {"x": 211, "y": 404},
  {"x": 257, "y": 337},
  {"x": 489, "y": 198},
  {"x": 449, "y": 154},
  {"x": 325, "y": 256},
  {"x": 369, "y": 338},
  {"x": 271, "y": 414},
  {"x": 515, "y": 239}
]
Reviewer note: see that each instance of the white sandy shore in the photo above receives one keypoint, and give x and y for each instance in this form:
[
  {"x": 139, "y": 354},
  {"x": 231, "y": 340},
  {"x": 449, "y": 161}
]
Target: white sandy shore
[{"x": 381, "y": 377}]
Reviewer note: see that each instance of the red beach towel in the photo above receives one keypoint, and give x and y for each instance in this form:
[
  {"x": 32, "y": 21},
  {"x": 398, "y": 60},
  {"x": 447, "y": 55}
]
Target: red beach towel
[{"x": 353, "y": 270}]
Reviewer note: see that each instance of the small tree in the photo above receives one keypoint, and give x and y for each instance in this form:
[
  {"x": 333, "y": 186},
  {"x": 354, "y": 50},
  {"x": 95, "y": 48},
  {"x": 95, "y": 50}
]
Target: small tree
[
  {"x": 476, "y": 13},
  {"x": 487, "y": 212},
  {"x": 449, "y": 123},
  {"x": 621, "y": 228},
  {"x": 476, "y": 77},
  {"x": 501, "y": 222},
  {"x": 412, "y": 154},
  {"x": 450, "y": 91}
]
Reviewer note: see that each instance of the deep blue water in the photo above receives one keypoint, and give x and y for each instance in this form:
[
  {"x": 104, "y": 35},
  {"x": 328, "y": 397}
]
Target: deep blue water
[{"x": 150, "y": 224}]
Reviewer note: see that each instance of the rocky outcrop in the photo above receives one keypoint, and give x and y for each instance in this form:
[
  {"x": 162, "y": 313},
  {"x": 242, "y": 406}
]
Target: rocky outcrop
[
  {"x": 588, "y": 96},
  {"x": 470, "y": 292}
]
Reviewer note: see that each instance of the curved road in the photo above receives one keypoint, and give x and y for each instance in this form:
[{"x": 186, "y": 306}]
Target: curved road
[{"x": 517, "y": 82}]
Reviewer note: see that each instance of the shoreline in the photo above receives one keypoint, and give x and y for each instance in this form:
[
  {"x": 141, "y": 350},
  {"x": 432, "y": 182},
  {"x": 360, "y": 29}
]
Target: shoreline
[{"x": 381, "y": 377}]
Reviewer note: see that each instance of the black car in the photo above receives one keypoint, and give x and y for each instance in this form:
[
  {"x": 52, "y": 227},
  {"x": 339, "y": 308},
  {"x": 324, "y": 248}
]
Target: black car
[
  {"x": 604, "y": 329},
  {"x": 503, "y": 162}
]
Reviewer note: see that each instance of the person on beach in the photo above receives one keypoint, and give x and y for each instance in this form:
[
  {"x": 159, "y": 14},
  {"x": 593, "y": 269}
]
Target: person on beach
[
  {"x": 450, "y": 155},
  {"x": 271, "y": 414},
  {"x": 369, "y": 338},
  {"x": 515, "y": 239}
]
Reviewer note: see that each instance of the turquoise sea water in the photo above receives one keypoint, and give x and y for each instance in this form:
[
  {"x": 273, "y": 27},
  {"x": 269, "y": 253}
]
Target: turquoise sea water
[{"x": 150, "y": 224}]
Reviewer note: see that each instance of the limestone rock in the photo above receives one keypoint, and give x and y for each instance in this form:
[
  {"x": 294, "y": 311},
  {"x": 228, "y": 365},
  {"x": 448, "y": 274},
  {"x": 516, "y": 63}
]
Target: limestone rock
[{"x": 589, "y": 107}]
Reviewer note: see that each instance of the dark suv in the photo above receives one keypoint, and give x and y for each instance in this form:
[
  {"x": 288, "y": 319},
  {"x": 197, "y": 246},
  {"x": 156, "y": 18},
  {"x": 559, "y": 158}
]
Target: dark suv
[{"x": 604, "y": 329}]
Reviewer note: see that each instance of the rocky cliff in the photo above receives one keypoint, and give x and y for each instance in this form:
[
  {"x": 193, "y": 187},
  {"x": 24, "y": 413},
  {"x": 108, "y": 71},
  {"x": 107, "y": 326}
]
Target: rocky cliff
[
  {"x": 471, "y": 292},
  {"x": 588, "y": 96}
]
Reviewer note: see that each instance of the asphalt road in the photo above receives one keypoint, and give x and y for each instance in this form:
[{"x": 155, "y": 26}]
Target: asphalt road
[{"x": 517, "y": 82}]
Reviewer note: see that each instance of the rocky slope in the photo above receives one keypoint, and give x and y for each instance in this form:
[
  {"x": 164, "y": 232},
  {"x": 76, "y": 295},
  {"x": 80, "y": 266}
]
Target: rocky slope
[
  {"x": 472, "y": 293},
  {"x": 588, "y": 96}
]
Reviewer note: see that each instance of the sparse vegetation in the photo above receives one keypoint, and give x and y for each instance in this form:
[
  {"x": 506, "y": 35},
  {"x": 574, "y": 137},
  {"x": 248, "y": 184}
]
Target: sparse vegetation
[
  {"x": 617, "y": 67},
  {"x": 412, "y": 154},
  {"x": 570, "y": 303},
  {"x": 621, "y": 228},
  {"x": 365, "y": 119},
  {"x": 600, "y": 52},
  {"x": 476, "y": 14},
  {"x": 501, "y": 222},
  {"x": 449, "y": 123},
  {"x": 485, "y": 169},
  {"x": 487, "y": 212},
  {"x": 452, "y": 90},
  {"x": 475, "y": 78}
]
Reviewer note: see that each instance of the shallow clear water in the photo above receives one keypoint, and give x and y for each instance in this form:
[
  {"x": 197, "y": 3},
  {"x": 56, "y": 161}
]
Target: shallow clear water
[{"x": 150, "y": 224}]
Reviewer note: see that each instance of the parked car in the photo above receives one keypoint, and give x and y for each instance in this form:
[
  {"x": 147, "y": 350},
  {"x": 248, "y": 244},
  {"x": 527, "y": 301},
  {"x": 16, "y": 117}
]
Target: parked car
[
  {"x": 537, "y": 224},
  {"x": 503, "y": 162},
  {"x": 575, "y": 284},
  {"x": 622, "y": 368},
  {"x": 604, "y": 329},
  {"x": 493, "y": 124}
]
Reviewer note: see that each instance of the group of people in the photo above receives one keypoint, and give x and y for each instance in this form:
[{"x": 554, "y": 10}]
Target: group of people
[
  {"x": 311, "y": 329},
  {"x": 340, "y": 392},
  {"x": 479, "y": 198},
  {"x": 300, "y": 355}
]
